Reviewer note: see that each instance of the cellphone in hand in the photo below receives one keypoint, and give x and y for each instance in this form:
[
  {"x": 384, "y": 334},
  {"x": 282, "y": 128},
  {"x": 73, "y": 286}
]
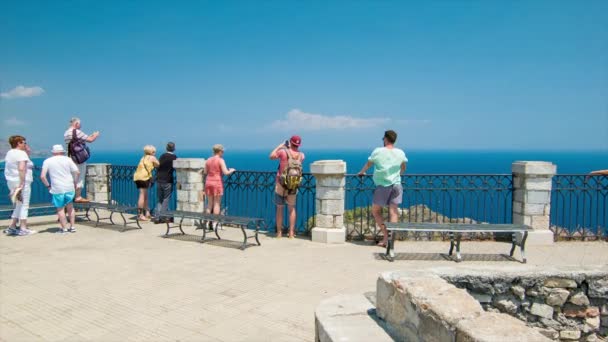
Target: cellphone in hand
[{"x": 286, "y": 143}]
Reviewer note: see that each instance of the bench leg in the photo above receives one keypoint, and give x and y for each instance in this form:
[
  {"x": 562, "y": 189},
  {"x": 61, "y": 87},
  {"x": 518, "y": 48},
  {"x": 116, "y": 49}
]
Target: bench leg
[
  {"x": 86, "y": 214},
  {"x": 390, "y": 246},
  {"x": 204, "y": 231},
  {"x": 168, "y": 227},
  {"x": 257, "y": 229},
  {"x": 244, "y": 237},
  {"x": 216, "y": 227},
  {"x": 458, "y": 256},
  {"x": 513, "y": 243},
  {"x": 451, "y": 244},
  {"x": 96, "y": 216}
]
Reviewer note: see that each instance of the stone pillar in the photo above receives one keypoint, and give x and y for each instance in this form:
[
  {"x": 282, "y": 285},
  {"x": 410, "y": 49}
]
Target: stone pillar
[
  {"x": 97, "y": 183},
  {"x": 532, "y": 198},
  {"x": 189, "y": 182},
  {"x": 329, "y": 201}
]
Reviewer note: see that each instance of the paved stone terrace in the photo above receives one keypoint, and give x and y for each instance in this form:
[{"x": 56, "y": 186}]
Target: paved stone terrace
[{"x": 101, "y": 284}]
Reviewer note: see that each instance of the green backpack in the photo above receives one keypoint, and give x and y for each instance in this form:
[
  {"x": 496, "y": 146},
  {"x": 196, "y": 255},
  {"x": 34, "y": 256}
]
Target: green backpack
[{"x": 291, "y": 177}]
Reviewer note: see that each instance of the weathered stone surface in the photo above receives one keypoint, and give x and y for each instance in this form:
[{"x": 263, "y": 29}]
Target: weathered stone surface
[
  {"x": 328, "y": 167},
  {"x": 579, "y": 298},
  {"x": 492, "y": 327},
  {"x": 604, "y": 321},
  {"x": 550, "y": 323},
  {"x": 330, "y": 207},
  {"x": 593, "y": 311},
  {"x": 549, "y": 333},
  {"x": 518, "y": 291},
  {"x": 507, "y": 306},
  {"x": 604, "y": 309},
  {"x": 592, "y": 322},
  {"x": 501, "y": 287},
  {"x": 541, "y": 310},
  {"x": 569, "y": 335},
  {"x": 536, "y": 168},
  {"x": 560, "y": 282},
  {"x": 481, "y": 297},
  {"x": 189, "y": 163},
  {"x": 591, "y": 338},
  {"x": 330, "y": 181},
  {"x": 557, "y": 297},
  {"x": 532, "y": 292},
  {"x": 571, "y": 310},
  {"x": 598, "y": 288},
  {"x": 323, "y": 192}
]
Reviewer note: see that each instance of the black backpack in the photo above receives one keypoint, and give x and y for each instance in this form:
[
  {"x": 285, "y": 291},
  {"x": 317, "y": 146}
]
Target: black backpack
[{"x": 78, "y": 149}]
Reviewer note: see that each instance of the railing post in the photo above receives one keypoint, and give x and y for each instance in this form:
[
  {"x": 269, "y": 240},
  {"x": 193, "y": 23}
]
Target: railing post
[
  {"x": 329, "y": 201},
  {"x": 532, "y": 198},
  {"x": 97, "y": 183},
  {"x": 189, "y": 182}
]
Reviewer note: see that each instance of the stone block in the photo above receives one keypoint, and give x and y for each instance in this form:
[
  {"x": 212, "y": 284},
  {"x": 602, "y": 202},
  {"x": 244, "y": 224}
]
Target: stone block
[
  {"x": 328, "y": 235},
  {"x": 604, "y": 321},
  {"x": 541, "y": 310},
  {"x": 533, "y": 209},
  {"x": 324, "y": 221},
  {"x": 534, "y": 168},
  {"x": 542, "y": 237},
  {"x": 183, "y": 195},
  {"x": 495, "y": 327},
  {"x": 325, "y": 167},
  {"x": 543, "y": 183},
  {"x": 537, "y": 197},
  {"x": 604, "y": 309},
  {"x": 579, "y": 298},
  {"x": 347, "y": 318},
  {"x": 331, "y": 181},
  {"x": 598, "y": 288},
  {"x": 560, "y": 283},
  {"x": 593, "y": 322},
  {"x": 518, "y": 181},
  {"x": 327, "y": 193},
  {"x": 338, "y": 221},
  {"x": 193, "y": 177},
  {"x": 481, "y": 297},
  {"x": 522, "y": 219},
  {"x": 507, "y": 306},
  {"x": 519, "y": 195},
  {"x": 557, "y": 297},
  {"x": 549, "y": 333},
  {"x": 518, "y": 291},
  {"x": 330, "y": 207},
  {"x": 570, "y": 335},
  {"x": 518, "y": 207},
  {"x": 189, "y": 163},
  {"x": 191, "y": 186}
]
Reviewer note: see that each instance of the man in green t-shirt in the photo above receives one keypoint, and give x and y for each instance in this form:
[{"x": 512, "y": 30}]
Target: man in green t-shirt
[{"x": 389, "y": 164}]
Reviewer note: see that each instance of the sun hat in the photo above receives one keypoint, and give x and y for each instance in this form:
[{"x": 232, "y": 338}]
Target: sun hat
[
  {"x": 295, "y": 140},
  {"x": 58, "y": 149}
]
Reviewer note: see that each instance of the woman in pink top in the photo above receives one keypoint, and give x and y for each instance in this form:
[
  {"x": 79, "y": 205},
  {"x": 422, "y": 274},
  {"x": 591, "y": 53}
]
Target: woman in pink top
[{"x": 215, "y": 168}]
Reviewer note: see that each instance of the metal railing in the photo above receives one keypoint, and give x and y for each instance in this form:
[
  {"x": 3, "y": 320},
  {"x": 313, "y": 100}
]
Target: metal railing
[
  {"x": 123, "y": 190},
  {"x": 432, "y": 198},
  {"x": 579, "y": 207},
  {"x": 251, "y": 193}
]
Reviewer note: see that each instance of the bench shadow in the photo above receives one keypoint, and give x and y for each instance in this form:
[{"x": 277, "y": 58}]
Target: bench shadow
[
  {"x": 108, "y": 226},
  {"x": 209, "y": 241},
  {"x": 445, "y": 256}
]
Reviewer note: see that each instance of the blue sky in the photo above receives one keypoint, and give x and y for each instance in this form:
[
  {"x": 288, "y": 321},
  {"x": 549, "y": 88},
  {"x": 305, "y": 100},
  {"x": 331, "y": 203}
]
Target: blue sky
[{"x": 248, "y": 74}]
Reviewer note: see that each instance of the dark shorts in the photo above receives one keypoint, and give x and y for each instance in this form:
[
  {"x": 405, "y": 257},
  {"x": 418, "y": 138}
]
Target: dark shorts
[
  {"x": 388, "y": 195},
  {"x": 143, "y": 184},
  {"x": 282, "y": 196}
]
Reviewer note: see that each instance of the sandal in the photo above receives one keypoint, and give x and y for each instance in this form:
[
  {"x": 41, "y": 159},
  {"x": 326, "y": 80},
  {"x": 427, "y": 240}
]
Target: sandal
[{"x": 381, "y": 244}]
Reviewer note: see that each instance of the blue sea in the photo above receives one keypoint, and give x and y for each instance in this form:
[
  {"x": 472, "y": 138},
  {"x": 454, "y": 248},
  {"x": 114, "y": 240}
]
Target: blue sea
[{"x": 420, "y": 161}]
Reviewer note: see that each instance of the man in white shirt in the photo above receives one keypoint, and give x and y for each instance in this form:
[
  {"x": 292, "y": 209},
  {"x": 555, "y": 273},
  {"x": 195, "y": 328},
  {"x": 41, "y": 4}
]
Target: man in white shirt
[
  {"x": 64, "y": 176},
  {"x": 82, "y": 168},
  {"x": 18, "y": 173}
]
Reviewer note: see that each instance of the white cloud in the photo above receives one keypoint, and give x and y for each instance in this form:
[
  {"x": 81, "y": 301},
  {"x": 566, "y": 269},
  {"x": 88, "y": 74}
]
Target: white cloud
[
  {"x": 21, "y": 91},
  {"x": 13, "y": 122},
  {"x": 297, "y": 119},
  {"x": 413, "y": 122}
]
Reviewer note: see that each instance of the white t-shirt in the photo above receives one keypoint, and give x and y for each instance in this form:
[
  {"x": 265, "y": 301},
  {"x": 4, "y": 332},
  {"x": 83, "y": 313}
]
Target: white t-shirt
[
  {"x": 60, "y": 169},
  {"x": 11, "y": 169}
]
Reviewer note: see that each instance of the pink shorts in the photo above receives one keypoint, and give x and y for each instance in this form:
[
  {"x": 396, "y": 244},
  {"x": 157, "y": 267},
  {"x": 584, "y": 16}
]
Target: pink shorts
[{"x": 214, "y": 189}]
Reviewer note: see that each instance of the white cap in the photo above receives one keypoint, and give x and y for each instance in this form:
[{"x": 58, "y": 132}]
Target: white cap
[{"x": 58, "y": 149}]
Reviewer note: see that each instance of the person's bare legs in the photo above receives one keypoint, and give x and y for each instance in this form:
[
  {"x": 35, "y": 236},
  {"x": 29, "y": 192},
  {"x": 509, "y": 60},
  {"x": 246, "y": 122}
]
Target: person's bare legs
[
  {"x": 377, "y": 213},
  {"x": 78, "y": 194},
  {"x": 62, "y": 219},
  {"x": 146, "y": 207},
  {"x": 393, "y": 213},
  {"x": 279, "y": 219},
  {"x": 292, "y": 220},
  {"x": 71, "y": 214},
  {"x": 217, "y": 204},
  {"x": 140, "y": 204}
]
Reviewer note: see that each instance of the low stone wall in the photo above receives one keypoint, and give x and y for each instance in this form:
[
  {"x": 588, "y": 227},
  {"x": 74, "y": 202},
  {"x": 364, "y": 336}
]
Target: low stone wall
[
  {"x": 564, "y": 305},
  {"x": 424, "y": 307}
]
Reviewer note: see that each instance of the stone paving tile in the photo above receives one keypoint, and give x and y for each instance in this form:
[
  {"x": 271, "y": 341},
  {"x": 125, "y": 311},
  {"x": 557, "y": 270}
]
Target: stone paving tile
[{"x": 105, "y": 285}]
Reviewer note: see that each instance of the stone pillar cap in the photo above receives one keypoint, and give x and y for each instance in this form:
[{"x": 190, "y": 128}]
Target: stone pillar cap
[
  {"x": 328, "y": 167},
  {"x": 534, "y": 167},
  {"x": 189, "y": 163}
]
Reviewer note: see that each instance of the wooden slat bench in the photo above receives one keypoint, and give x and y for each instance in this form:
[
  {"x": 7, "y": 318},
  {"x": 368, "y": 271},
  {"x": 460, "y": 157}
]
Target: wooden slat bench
[
  {"x": 455, "y": 231},
  {"x": 218, "y": 220},
  {"x": 112, "y": 208}
]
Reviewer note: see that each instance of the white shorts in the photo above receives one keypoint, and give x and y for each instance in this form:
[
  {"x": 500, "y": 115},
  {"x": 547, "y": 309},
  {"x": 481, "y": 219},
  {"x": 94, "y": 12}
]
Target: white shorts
[{"x": 82, "y": 168}]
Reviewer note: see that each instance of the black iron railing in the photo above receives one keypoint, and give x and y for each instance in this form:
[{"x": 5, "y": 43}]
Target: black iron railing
[
  {"x": 579, "y": 207},
  {"x": 251, "y": 193},
  {"x": 432, "y": 198}
]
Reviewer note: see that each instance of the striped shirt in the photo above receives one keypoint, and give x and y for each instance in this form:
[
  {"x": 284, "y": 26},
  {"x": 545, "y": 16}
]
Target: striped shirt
[{"x": 67, "y": 136}]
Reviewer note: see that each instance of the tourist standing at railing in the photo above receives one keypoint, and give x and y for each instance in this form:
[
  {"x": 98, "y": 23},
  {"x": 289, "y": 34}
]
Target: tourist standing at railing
[
  {"x": 143, "y": 180},
  {"x": 64, "y": 176},
  {"x": 215, "y": 167},
  {"x": 18, "y": 173},
  {"x": 286, "y": 151},
  {"x": 389, "y": 164},
  {"x": 79, "y": 138},
  {"x": 164, "y": 181}
]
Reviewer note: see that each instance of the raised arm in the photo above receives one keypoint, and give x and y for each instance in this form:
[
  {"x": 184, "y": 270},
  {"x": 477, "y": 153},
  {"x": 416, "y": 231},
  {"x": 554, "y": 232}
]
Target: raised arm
[
  {"x": 599, "y": 172},
  {"x": 154, "y": 161},
  {"x": 273, "y": 153},
  {"x": 93, "y": 136},
  {"x": 226, "y": 171}
]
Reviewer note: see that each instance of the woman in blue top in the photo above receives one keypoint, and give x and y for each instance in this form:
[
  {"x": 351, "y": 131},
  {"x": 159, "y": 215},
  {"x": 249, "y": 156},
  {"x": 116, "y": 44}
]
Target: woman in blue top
[{"x": 389, "y": 164}]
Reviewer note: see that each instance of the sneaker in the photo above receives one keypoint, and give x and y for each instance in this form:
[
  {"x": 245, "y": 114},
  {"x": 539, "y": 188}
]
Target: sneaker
[
  {"x": 25, "y": 231},
  {"x": 72, "y": 230},
  {"x": 11, "y": 231},
  {"x": 61, "y": 231}
]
